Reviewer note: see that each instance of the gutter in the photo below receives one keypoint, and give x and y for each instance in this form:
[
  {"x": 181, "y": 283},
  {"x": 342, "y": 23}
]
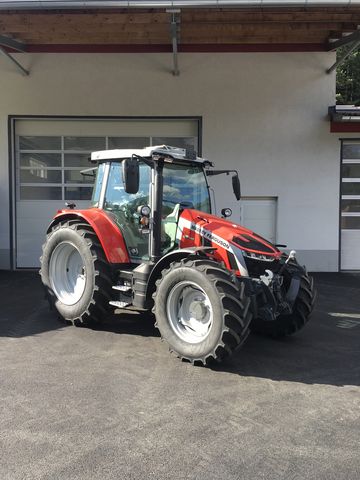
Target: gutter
[{"x": 98, "y": 4}]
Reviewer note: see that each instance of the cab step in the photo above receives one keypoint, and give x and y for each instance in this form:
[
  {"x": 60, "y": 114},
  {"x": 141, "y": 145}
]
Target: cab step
[
  {"x": 122, "y": 288},
  {"x": 118, "y": 304}
]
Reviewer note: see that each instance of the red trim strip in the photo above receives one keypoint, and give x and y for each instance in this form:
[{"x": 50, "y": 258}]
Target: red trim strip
[
  {"x": 344, "y": 127},
  {"x": 190, "y": 48},
  {"x": 255, "y": 47}
]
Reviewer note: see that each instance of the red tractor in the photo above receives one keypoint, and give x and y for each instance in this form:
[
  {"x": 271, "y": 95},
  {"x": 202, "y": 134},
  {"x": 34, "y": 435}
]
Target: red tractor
[{"x": 149, "y": 241}]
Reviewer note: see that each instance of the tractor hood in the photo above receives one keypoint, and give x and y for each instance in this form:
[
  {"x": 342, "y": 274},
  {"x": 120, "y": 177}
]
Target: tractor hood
[{"x": 214, "y": 231}]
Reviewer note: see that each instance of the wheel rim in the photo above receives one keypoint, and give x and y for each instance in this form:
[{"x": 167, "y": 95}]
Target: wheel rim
[
  {"x": 67, "y": 273},
  {"x": 189, "y": 312}
]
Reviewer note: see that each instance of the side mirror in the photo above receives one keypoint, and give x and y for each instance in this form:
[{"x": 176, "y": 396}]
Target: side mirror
[
  {"x": 130, "y": 174},
  {"x": 236, "y": 186}
]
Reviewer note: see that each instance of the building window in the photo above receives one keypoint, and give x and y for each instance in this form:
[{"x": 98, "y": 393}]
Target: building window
[{"x": 49, "y": 167}]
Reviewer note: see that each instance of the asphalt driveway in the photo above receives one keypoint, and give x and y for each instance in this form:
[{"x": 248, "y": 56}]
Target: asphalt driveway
[{"x": 114, "y": 404}]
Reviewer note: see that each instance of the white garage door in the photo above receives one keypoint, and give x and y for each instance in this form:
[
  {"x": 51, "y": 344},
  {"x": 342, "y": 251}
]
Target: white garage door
[
  {"x": 259, "y": 214},
  {"x": 50, "y": 155},
  {"x": 350, "y": 206}
]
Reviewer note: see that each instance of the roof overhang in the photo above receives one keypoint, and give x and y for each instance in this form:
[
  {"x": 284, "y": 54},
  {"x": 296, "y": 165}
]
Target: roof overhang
[
  {"x": 199, "y": 26},
  {"x": 176, "y": 26}
]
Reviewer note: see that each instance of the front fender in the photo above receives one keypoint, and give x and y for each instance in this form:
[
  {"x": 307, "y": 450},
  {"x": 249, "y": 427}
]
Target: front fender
[
  {"x": 108, "y": 233},
  {"x": 174, "y": 256}
]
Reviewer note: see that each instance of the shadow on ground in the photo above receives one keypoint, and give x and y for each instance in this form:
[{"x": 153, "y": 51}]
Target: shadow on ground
[{"x": 327, "y": 351}]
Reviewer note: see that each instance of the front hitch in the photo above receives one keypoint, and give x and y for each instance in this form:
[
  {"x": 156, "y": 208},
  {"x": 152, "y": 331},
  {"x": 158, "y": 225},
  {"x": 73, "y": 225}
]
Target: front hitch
[{"x": 269, "y": 300}]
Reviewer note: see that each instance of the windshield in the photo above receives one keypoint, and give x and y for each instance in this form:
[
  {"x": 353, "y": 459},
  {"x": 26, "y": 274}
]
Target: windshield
[
  {"x": 185, "y": 184},
  {"x": 184, "y": 187}
]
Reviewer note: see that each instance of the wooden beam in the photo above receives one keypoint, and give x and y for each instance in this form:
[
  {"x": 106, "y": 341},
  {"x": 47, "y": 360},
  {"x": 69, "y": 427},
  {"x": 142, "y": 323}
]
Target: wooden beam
[
  {"x": 246, "y": 28},
  {"x": 166, "y": 48},
  {"x": 188, "y": 16},
  {"x": 200, "y": 26}
]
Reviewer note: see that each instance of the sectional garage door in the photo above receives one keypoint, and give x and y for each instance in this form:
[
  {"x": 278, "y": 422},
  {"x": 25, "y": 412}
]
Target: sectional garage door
[
  {"x": 350, "y": 205},
  {"x": 49, "y": 155}
]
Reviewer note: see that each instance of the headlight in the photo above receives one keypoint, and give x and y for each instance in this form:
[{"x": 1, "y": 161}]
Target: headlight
[{"x": 257, "y": 256}]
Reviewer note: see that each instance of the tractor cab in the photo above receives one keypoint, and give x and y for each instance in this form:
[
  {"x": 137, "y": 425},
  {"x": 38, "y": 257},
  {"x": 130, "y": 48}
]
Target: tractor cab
[{"x": 144, "y": 192}]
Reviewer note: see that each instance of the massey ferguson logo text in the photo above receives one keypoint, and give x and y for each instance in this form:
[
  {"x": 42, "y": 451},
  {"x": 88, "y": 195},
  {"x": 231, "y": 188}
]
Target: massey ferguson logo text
[{"x": 209, "y": 236}]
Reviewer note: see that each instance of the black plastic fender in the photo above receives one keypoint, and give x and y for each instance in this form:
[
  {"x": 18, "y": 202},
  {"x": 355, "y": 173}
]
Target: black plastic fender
[{"x": 166, "y": 260}]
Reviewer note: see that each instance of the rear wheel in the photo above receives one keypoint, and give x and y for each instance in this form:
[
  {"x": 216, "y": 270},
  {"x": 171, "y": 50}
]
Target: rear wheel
[
  {"x": 201, "y": 310},
  {"x": 302, "y": 309},
  {"x": 75, "y": 273}
]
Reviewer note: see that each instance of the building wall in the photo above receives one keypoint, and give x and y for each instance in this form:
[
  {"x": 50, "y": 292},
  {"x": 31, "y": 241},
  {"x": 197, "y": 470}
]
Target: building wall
[{"x": 263, "y": 113}]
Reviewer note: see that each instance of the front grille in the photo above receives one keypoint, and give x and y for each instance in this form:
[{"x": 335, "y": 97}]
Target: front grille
[{"x": 257, "y": 267}]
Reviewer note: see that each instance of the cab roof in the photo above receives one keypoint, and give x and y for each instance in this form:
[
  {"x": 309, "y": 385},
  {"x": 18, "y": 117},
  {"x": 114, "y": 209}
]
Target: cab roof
[{"x": 174, "y": 153}]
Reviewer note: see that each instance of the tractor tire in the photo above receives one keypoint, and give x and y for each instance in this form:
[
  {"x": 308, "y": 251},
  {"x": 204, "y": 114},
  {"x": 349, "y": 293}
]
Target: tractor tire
[
  {"x": 201, "y": 310},
  {"x": 289, "y": 324},
  {"x": 75, "y": 273}
]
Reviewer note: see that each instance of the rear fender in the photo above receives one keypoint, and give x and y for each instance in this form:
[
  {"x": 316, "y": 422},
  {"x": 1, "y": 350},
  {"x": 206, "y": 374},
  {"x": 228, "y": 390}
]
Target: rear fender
[{"x": 108, "y": 233}]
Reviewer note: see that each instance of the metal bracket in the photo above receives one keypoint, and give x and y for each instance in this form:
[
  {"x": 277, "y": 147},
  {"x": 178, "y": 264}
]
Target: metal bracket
[
  {"x": 345, "y": 40},
  {"x": 7, "y": 42},
  {"x": 338, "y": 62},
  {"x": 174, "y": 30},
  {"x": 12, "y": 59},
  {"x": 353, "y": 40}
]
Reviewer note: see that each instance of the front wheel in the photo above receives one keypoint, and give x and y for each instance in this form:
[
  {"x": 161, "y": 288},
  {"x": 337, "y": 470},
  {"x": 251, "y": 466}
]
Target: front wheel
[
  {"x": 201, "y": 310},
  {"x": 75, "y": 273}
]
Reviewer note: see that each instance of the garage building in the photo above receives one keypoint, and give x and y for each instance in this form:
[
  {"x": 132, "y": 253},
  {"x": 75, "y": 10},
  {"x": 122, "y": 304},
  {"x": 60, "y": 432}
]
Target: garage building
[{"x": 247, "y": 84}]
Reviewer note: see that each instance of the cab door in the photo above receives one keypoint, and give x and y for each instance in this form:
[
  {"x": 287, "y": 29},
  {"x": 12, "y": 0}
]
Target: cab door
[{"x": 122, "y": 207}]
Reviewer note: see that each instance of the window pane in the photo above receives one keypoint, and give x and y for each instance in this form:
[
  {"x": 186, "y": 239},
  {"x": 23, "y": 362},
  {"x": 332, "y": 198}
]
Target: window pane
[
  {"x": 351, "y": 151},
  {"x": 350, "y": 188},
  {"x": 78, "y": 193},
  {"x": 185, "y": 142},
  {"x": 77, "y": 160},
  {"x": 350, "y": 205},
  {"x": 40, "y": 193},
  {"x": 84, "y": 143},
  {"x": 351, "y": 170},
  {"x": 40, "y": 160},
  {"x": 42, "y": 175},
  {"x": 350, "y": 223},
  {"x": 128, "y": 142},
  {"x": 40, "y": 143},
  {"x": 123, "y": 207},
  {"x": 184, "y": 184},
  {"x": 98, "y": 184},
  {"x": 74, "y": 176}
]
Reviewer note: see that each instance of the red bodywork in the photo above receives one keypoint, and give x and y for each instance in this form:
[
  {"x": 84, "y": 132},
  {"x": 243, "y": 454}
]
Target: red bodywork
[
  {"x": 108, "y": 232},
  {"x": 196, "y": 229},
  {"x": 199, "y": 229}
]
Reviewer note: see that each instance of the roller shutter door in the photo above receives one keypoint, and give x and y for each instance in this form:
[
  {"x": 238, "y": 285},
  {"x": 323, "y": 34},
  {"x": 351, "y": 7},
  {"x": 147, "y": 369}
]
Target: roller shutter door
[{"x": 49, "y": 156}]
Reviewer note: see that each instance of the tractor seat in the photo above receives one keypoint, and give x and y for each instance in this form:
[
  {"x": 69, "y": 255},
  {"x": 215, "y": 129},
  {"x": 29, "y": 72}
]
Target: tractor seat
[{"x": 170, "y": 224}]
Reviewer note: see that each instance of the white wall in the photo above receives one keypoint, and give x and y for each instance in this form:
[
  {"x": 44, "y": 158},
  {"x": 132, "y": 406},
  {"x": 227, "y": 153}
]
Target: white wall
[{"x": 264, "y": 114}]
